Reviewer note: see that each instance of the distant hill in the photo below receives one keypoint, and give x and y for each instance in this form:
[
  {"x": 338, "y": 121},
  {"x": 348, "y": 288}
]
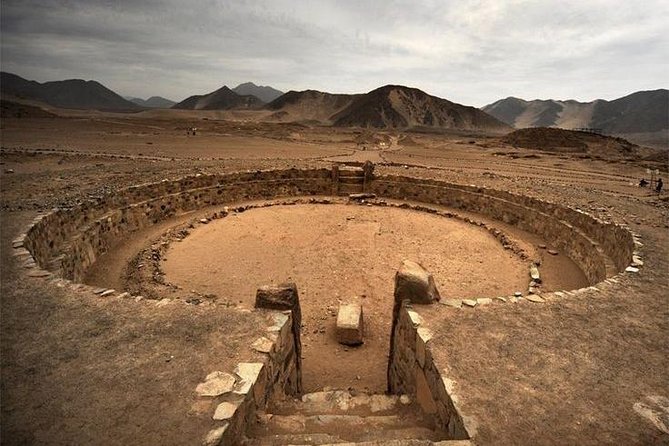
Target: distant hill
[
  {"x": 644, "y": 113},
  {"x": 10, "y": 109},
  {"x": 391, "y": 106},
  {"x": 310, "y": 105},
  {"x": 72, "y": 93},
  {"x": 396, "y": 106},
  {"x": 559, "y": 140},
  {"x": 221, "y": 99},
  {"x": 264, "y": 93},
  {"x": 153, "y": 102}
]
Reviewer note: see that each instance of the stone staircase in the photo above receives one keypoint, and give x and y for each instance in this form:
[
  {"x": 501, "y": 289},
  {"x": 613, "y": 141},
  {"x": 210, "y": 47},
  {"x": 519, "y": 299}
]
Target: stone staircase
[
  {"x": 338, "y": 417},
  {"x": 351, "y": 180}
]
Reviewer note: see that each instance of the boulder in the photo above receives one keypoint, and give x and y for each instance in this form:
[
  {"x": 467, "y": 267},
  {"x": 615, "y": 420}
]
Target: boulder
[
  {"x": 350, "y": 324},
  {"x": 414, "y": 283}
]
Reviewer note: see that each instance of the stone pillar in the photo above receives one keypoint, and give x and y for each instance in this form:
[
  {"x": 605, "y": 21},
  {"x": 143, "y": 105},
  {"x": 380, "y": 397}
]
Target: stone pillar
[
  {"x": 414, "y": 285},
  {"x": 285, "y": 297},
  {"x": 368, "y": 172},
  {"x": 335, "y": 179}
]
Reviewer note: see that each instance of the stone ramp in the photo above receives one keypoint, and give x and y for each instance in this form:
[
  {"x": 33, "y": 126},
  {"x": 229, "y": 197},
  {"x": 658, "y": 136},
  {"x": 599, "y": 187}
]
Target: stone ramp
[{"x": 339, "y": 417}]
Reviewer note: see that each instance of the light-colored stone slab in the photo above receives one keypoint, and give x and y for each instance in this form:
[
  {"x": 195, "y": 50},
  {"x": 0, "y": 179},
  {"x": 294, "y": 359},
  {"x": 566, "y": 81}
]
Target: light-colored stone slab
[
  {"x": 455, "y": 303},
  {"x": 279, "y": 321},
  {"x": 215, "y": 384},
  {"x": 350, "y": 324},
  {"x": 262, "y": 345},
  {"x": 535, "y": 298},
  {"x": 39, "y": 273},
  {"x": 224, "y": 411},
  {"x": 248, "y": 373},
  {"x": 416, "y": 319},
  {"x": 213, "y": 437},
  {"x": 469, "y": 302},
  {"x": 484, "y": 300}
]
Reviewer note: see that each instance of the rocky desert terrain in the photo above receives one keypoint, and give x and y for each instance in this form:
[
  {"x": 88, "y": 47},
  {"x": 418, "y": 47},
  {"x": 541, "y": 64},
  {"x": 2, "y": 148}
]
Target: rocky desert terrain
[{"x": 82, "y": 369}]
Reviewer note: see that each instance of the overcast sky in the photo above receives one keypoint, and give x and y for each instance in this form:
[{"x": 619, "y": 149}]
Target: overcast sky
[{"x": 469, "y": 51}]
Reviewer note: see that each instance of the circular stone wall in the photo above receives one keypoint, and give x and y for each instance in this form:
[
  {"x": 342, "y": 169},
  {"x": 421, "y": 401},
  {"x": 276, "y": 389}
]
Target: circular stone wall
[{"x": 67, "y": 242}]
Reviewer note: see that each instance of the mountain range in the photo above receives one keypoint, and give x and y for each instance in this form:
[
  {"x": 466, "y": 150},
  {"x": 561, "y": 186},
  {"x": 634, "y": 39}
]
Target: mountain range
[
  {"x": 264, "y": 93},
  {"x": 221, "y": 99},
  {"x": 152, "y": 102},
  {"x": 390, "y": 106},
  {"x": 71, "y": 93},
  {"x": 642, "y": 116},
  {"x": 643, "y": 113}
]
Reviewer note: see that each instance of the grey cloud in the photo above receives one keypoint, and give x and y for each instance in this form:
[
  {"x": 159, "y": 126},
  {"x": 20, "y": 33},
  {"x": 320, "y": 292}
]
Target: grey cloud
[{"x": 470, "y": 51}]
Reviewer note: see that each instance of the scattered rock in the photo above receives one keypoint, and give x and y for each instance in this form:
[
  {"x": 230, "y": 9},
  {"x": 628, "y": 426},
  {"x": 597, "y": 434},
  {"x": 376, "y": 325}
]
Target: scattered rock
[
  {"x": 484, "y": 301},
  {"x": 534, "y": 273},
  {"x": 552, "y": 252},
  {"x": 469, "y": 302},
  {"x": 518, "y": 294},
  {"x": 215, "y": 384},
  {"x": 632, "y": 269},
  {"x": 414, "y": 283},
  {"x": 535, "y": 298},
  {"x": 362, "y": 196},
  {"x": 107, "y": 293},
  {"x": 39, "y": 273},
  {"x": 655, "y": 410},
  {"x": 455, "y": 303}
]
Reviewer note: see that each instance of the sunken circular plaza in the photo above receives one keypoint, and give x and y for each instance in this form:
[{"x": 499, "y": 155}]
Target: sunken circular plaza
[{"x": 339, "y": 234}]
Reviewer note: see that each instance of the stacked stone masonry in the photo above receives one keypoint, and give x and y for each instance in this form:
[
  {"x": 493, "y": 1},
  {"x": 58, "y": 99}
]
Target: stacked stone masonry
[
  {"x": 278, "y": 376},
  {"x": 68, "y": 241},
  {"x": 412, "y": 371}
]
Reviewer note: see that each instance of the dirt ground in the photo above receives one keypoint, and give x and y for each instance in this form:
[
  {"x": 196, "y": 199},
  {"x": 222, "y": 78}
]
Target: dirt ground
[
  {"x": 81, "y": 370},
  {"x": 341, "y": 254}
]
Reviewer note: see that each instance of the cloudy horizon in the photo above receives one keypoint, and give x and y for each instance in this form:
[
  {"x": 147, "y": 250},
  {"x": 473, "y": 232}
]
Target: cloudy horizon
[{"x": 470, "y": 52}]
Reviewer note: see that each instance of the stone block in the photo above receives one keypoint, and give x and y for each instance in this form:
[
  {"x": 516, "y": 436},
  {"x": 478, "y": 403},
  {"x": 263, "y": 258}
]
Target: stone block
[
  {"x": 350, "y": 324},
  {"x": 277, "y": 297},
  {"x": 414, "y": 283}
]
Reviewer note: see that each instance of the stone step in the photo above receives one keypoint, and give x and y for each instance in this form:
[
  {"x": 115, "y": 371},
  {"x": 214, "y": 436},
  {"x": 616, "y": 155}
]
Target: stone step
[
  {"x": 328, "y": 440},
  {"x": 346, "y": 189},
  {"x": 334, "y": 402},
  {"x": 350, "y": 170},
  {"x": 293, "y": 439},
  {"x": 351, "y": 180},
  {"x": 347, "y": 427}
]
